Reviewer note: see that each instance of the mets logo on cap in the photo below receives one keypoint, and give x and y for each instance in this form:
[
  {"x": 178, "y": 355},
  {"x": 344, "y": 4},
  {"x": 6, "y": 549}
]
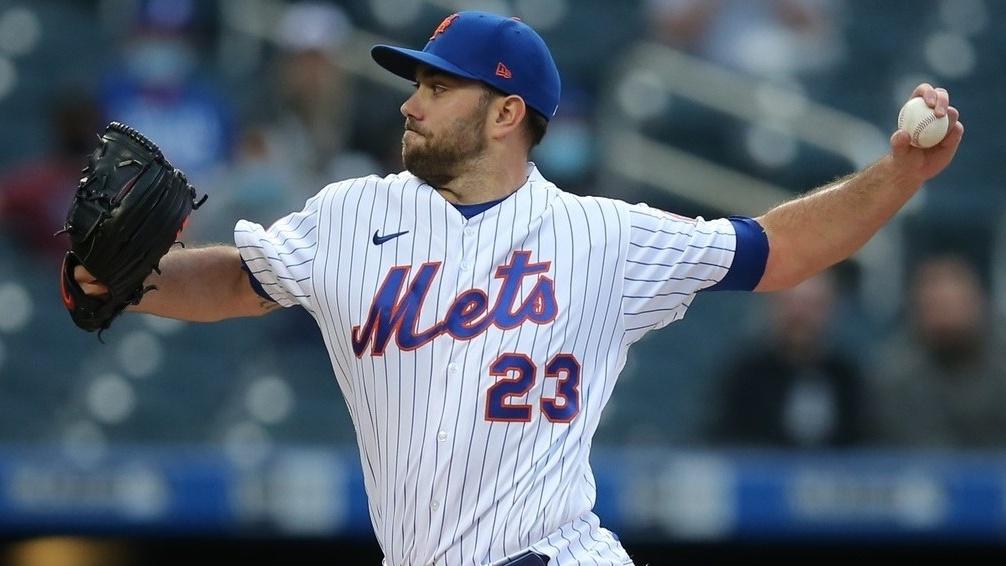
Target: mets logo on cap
[
  {"x": 444, "y": 25},
  {"x": 502, "y": 52}
]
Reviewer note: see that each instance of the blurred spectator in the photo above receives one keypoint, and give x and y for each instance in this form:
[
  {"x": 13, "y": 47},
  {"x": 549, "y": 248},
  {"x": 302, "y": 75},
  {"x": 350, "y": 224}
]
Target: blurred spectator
[
  {"x": 254, "y": 187},
  {"x": 314, "y": 94},
  {"x": 156, "y": 90},
  {"x": 300, "y": 141},
  {"x": 793, "y": 391},
  {"x": 942, "y": 384},
  {"x": 35, "y": 196},
  {"x": 764, "y": 37},
  {"x": 567, "y": 154}
]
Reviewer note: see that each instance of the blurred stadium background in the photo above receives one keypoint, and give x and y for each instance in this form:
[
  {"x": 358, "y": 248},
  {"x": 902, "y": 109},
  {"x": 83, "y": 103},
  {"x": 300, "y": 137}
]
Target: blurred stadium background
[{"x": 862, "y": 414}]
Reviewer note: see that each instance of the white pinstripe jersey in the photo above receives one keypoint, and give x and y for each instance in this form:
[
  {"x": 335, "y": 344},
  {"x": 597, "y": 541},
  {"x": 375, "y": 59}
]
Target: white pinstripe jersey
[{"x": 476, "y": 355}]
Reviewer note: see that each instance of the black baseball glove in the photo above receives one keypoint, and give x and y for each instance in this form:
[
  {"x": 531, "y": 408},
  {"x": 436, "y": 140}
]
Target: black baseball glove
[{"x": 127, "y": 212}]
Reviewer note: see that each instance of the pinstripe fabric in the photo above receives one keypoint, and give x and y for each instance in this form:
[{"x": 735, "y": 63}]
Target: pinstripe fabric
[
  {"x": 669, "y": 259},
  {"x": 448, "y": 481}
]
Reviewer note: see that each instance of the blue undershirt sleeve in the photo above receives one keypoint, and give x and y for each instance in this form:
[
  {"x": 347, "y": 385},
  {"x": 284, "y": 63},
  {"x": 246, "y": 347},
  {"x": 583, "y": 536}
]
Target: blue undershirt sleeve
[
  {"x": 750, "y": 257},
  {"x": 255, "y": 283}
]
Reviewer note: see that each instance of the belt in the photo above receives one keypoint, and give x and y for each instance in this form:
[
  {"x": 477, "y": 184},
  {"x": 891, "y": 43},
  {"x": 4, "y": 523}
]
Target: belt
[{"x": 528, "y": 559}]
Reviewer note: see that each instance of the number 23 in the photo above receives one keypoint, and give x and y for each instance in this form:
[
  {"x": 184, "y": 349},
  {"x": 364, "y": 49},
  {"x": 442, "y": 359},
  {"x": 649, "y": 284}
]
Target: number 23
[{"x": 516, "y": 375}]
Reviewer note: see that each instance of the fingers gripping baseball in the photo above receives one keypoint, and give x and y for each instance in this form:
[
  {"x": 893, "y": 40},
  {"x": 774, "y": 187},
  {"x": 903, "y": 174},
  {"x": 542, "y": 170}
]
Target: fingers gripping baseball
[
  {"x": 936, "y": 98},
  {"x": 920, "y": 145}
]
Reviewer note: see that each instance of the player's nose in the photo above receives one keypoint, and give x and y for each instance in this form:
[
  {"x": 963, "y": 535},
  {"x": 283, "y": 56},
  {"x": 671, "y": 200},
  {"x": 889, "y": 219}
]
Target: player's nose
[{"x": 409, "y": 108}]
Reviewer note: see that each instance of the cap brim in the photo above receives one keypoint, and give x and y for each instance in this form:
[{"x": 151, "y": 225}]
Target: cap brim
[{"x": 403, "y": 62}]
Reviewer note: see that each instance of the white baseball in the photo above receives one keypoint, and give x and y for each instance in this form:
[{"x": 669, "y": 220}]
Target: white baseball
[{"x": 918, "y": 119}]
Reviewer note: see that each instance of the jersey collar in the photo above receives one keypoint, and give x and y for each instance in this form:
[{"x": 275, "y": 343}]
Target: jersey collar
[{"x": 528, "y": 202}]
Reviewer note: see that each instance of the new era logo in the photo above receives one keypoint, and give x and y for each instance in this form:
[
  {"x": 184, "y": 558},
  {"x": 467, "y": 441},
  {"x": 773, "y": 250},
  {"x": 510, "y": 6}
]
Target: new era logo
[{"x": 503, "y": 71}]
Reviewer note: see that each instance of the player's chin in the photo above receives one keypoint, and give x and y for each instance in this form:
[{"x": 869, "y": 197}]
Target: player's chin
[
  {"x": 410, "y": 141},
  {"x": 413, "y": 147}
]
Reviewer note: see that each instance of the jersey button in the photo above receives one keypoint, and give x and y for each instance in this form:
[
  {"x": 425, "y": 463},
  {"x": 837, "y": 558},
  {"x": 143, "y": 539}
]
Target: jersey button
[
  {"x": 442, "y": 435},
  {"x": 469, "y": 231},
  {"x": 435, "y": 505},
  {"x": 452, "y": 368},
  {"x": 465, "y": 266}
]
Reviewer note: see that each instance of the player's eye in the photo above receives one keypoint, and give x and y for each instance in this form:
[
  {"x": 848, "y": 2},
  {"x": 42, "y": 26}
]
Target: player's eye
[{"x": 438, "y": 88}]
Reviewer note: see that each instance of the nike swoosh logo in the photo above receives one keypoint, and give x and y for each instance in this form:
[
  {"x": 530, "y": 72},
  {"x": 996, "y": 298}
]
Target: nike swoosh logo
[{"x": 378, "y": 239}]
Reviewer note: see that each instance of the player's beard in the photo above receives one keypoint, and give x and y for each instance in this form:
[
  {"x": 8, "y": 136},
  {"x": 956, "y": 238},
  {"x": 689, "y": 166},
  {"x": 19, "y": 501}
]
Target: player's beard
[{"x": 441, "y": 157}]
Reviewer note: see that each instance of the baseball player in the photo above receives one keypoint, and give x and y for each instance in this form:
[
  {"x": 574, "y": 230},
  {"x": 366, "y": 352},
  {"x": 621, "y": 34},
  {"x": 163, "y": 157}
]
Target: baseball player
[{"x": 477, "y": 316}]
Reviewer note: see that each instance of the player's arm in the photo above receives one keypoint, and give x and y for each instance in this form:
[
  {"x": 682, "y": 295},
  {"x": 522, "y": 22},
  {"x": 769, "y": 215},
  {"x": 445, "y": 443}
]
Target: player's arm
[
  {"x": 817, "y": 230},
  {"x": 200, "y": 285}
]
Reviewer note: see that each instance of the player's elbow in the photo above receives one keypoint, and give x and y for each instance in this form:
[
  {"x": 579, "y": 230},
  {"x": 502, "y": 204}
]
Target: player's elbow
[
  {"x": 246, "y": 301},
  {"x": 778, "y": 280},
  {"x": 784, "y": 268}
]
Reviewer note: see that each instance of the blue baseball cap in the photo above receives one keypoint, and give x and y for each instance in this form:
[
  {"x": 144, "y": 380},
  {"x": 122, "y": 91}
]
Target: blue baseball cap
[{"x": 502, "y": 52}]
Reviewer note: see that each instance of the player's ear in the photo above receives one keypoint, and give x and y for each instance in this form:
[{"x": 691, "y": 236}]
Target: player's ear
[{"x": 509, "y": 112}]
